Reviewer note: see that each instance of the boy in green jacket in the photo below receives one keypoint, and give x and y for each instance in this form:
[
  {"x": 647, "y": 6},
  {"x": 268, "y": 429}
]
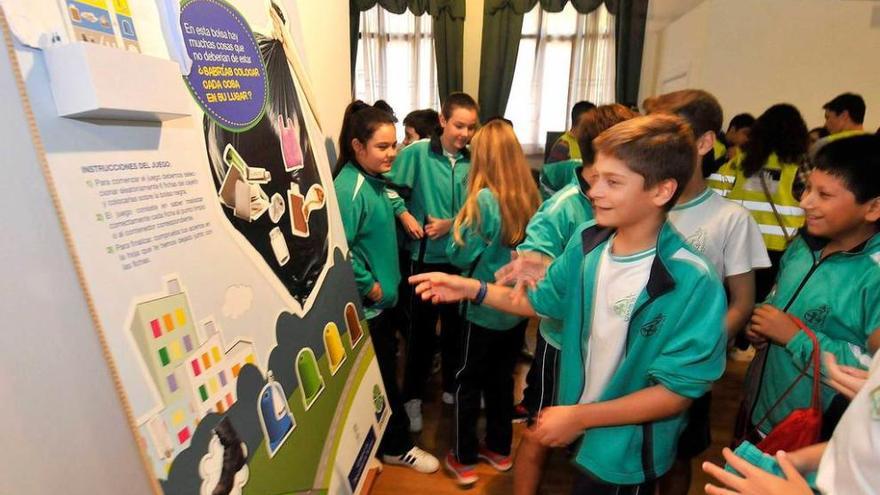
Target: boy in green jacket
[
  {"x": 829, "y": 278},
  {"x": 636, "y": 350},
  {"x": 435, "y": 170}
]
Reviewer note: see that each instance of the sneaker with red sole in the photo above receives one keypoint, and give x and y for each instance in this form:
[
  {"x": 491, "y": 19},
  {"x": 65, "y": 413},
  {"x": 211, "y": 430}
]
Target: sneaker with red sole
[
  {"x": 520, "y": 414},
  {"x": 464, "y": 474},
  {"x": 498, "y": 461}
]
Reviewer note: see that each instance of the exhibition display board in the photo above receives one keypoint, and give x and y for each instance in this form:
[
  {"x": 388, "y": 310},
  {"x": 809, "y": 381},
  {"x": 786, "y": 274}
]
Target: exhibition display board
[{"x": 190, "y": 176}]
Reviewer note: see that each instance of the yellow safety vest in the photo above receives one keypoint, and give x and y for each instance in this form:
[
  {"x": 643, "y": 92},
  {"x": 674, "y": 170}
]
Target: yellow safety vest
[
  {"x": 748, "y": 191},
  {"x": 574, "y": 149},
  {"x": 721, "y": 181}
]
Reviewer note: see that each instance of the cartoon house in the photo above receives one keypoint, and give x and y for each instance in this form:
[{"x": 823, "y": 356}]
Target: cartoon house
[
  {"x": 165, "y": 335},
  {"x": 210, "y": 373}
]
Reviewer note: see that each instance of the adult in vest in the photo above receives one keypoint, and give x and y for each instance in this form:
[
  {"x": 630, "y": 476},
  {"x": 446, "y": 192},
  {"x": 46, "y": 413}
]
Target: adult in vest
[
  {"x": 767, "y": 180},
  {"x": 566, "y": 147}
]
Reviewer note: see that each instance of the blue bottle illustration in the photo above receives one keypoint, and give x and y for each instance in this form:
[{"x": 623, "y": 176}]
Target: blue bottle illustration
[{"x": 275, "y": 418}]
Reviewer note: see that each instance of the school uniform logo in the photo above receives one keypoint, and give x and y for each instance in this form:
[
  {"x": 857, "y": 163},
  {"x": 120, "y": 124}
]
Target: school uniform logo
[
  {"x": 698, "y": 239},
  {"x": 652, "y": 325},
  {"x": 623, "y": 307},
  {"x": 816, "y": 316}
]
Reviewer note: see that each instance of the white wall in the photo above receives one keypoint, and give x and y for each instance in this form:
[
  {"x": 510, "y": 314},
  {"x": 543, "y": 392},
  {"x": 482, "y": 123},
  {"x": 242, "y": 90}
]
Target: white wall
[
  {"x": 754, "y": 53},
  {"x": 473, "y": 39},
  {"x": 326, "y": 56}
]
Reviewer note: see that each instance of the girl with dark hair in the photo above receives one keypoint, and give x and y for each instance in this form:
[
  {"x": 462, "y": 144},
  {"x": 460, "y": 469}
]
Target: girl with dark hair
[
  {"x": 367, "y": 149},
  {"x": 766, "y": 182}
]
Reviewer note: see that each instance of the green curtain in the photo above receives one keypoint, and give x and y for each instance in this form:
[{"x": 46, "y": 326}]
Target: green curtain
[
  {"x": 502, "y": 31},
  {"x": 448, "y": 23},
  {"x": 630, "y": 17}
]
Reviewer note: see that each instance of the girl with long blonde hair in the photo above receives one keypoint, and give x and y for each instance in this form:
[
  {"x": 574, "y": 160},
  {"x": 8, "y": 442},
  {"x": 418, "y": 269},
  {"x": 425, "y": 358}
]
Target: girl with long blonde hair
[{"x": 501, "y": 198}]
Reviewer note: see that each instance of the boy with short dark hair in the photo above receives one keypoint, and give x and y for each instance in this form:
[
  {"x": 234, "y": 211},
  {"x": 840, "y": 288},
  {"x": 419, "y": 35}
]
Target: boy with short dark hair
[
  {"x": 635, "y": 349},
  {"x": 436, "y": 171},
  {"x": 729, "y": 237},
  {"x": 845, "y": 113},
  {"x": 566, "y": 147},
  {"x": 829, "y": 278}
]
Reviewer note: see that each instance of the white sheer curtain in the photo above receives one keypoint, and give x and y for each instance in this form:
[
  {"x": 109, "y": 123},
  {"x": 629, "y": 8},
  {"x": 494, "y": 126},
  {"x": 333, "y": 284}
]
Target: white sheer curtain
[
  {"x": 563, "y": 58},
  {"x": 396, "y": 61}
]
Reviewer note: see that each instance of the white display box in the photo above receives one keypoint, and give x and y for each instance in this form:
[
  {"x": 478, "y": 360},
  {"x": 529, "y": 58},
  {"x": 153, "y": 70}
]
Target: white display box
[{"x": 91, "y": 81}]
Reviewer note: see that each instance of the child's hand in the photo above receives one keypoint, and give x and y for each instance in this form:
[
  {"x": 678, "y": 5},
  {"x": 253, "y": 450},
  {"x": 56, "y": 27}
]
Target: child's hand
[
  {"x": 527, "y": 266},
  {"x": 558, "y": 426},
  {"x": 441, "y": 287},
  {"x": 845, "y": 379},
  {"x": 437, "y": 227},
  {"x": 754, "y": 480},
  {"x": 375, "y": 293},
  {"x": 773, "y": 324},
  {"x": 412, "y": 226},
  {"x": 757, "y": 340}
]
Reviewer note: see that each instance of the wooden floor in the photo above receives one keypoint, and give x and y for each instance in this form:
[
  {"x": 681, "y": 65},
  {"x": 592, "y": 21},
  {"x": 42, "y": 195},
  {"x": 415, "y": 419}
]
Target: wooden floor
[{"x": 435, "y": 438}]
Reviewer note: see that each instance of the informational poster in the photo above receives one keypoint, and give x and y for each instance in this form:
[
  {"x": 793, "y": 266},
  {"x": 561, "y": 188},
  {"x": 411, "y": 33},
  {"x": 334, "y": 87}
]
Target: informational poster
[{"x": 212, "y": 253}]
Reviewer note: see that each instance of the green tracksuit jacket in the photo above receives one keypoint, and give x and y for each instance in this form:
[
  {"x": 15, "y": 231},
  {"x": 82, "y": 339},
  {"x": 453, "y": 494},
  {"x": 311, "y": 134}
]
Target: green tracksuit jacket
[{"x": 672, "y": 341}]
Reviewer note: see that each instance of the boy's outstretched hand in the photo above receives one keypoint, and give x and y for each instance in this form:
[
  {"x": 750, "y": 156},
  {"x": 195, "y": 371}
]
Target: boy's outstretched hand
[
  {"x": 754, "y": 480},
  {"x": 439, "y": 287}
]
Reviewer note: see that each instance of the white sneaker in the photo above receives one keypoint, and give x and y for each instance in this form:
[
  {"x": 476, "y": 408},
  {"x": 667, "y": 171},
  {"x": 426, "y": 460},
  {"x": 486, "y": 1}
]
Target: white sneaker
[
  {"x": 416, "y": 458},
  {"x": 414, "y": 411},
  {"x": 448, "y": 398},
  {"x": 742, "y": 356}
]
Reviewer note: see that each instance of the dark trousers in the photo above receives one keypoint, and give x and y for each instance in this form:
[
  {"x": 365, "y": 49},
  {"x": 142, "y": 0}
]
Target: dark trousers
[
  {"x": 422, "y": 340},
  {"x": 540, "y": 391},
  {"x": 585, "y": 485},
  {"x": 488, "y": 359},
  {"x": 396, "y": 440}
]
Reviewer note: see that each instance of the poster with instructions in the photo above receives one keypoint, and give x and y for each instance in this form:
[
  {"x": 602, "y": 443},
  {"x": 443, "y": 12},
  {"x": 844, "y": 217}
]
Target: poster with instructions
[{"x": 212, "y": 253}]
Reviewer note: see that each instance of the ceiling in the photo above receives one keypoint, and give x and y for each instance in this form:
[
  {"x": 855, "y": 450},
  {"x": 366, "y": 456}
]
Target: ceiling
[{"x": 662, "y": 12}]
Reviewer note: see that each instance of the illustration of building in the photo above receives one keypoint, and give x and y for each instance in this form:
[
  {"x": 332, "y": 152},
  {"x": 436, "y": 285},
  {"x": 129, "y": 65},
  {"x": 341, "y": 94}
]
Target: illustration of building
[
  {"x": 165, "y": 335},
  {"x": 194, "y": 378},
  {"x": 210, "y": 373}
]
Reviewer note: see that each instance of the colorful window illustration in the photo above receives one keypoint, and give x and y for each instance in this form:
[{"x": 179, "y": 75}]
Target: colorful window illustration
[
  {"x": 206, "y": 360},
  {"x": 169, "y": 323},
  {"x": 195, "y": 366},
  {"x": 178, "y": 418},
  {"x": 172, "y": 382},
  {"x": 333, "y": 345},
  {"x": 229, "y": 399},
  {"x": 180, "y": 316},
  {"x": 236, "y": 370},
  {"x": 163, "y": 356},
  {"x": 203, "y": 393},
  {"x": 183, "y": 435},
  {"x": 222, "y": 376},
  {"x": 219, "y": 406},
  {"x": 215, "y": 353},
  {"x": 310, "y": 381},
  {"x": 212, "y": 384},
  {"x": 176, "y": 352},
  {"x": 157, "y": 330}
]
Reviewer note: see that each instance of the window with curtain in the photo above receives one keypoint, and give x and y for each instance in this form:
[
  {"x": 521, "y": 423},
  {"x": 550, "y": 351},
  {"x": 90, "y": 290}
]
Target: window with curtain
[
  {"x": 396, "y": 61},
  {"x": 563, "y": 58}
]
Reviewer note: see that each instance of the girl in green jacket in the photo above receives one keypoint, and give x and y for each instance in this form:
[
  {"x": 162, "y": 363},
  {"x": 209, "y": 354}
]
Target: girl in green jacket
[
  {"x": 501, "y": 198},
  {"x": 367, "y": 148}
]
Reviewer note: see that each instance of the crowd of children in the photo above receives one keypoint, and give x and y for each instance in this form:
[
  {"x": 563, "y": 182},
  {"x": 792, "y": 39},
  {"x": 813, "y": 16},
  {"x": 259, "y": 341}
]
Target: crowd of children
[{"x": 645, "y": 256}]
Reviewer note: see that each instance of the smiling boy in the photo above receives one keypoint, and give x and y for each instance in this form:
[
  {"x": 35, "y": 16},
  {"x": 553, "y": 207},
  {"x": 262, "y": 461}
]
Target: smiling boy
[
  {"x": 636, "y": 349},
  {"x": 829, "y": 278}
]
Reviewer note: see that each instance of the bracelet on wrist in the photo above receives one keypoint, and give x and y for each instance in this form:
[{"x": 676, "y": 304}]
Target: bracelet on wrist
[{"x": 481, "y": 293}]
